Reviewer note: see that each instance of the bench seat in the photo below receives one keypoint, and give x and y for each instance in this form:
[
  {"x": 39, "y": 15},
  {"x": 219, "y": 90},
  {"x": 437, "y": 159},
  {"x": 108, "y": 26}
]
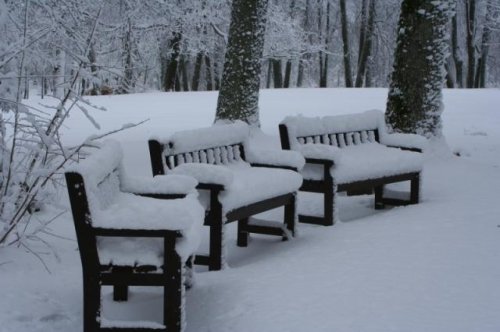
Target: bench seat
[
  {"x": 378, "y": 161},
  {"x": 254, "y": 184}
]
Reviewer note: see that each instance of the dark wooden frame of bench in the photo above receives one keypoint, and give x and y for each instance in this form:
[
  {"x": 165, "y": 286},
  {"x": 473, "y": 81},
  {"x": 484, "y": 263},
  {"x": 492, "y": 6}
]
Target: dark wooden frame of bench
[
  {"x": 326, "y": 185},
  {"x": 96, "y": 275},
  {"x": 214, "y": 216}
]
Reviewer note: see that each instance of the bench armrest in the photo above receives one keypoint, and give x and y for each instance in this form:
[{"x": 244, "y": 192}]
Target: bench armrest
[
  {"x": 275, "y": 158},
  {"x": 318, "y": 152},
  {"x": 205, "y": 174},
  {"x": 160, "y": 186},
  {"x": 410, "y": 142}
]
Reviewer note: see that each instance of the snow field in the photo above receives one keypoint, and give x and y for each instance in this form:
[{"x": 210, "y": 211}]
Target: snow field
[{"x": 428, "y": 267}]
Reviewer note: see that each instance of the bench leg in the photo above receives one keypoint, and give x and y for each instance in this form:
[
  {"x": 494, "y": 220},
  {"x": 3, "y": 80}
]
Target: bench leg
[
  {"x": 91, "y": 304},
  {"x": 329, "y": 204},
  {"x": 242, "y": 240},
  {"x": 290, "y": 217},
  {"x": 415, "y": 190},
  {"x": 173, "y": 289},
  {"x": 379, "y": 199},
  {"x": 215, "y": 255},
  {"x": 120, "y": 293}
]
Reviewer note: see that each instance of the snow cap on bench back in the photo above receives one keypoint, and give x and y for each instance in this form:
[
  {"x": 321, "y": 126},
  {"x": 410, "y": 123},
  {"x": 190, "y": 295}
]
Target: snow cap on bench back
[
  {"x": 299, "y": 126},
  {"x": 219, "y": 134},
  {"x": 102, "y": 161}
]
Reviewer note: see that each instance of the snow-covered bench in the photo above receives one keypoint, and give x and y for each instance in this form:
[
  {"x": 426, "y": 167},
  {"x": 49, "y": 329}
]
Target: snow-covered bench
[
  {"x": 239, "y": 181},
  {"x": 352, "y": 153},
  {"x": 132, "y": 232}
]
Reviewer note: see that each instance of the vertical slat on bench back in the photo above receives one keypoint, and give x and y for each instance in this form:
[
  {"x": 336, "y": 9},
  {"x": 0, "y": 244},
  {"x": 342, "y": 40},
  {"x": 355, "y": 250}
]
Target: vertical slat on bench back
[
  {"x": 339, "y": 140},
  {"x": 217, "y": 155}
]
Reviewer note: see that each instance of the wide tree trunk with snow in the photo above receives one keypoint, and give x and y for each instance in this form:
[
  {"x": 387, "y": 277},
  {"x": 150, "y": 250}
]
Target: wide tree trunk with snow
[
  {"x": 239, "y": 90},
  {"x": 415, "y": 97}
]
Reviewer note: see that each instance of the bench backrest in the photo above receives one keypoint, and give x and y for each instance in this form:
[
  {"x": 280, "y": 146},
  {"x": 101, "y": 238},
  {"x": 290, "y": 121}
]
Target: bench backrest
[
  {"x": 219, "y": 144},
  {"x": 93, "y": 184},
  {"x": 339, "y": 131}
]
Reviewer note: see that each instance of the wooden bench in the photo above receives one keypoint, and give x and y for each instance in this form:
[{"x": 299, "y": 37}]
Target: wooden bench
[
  {"x": 122, "y": 240},
  {"x": 352, "y": 153},
  {"x": 238, "y": 181}
]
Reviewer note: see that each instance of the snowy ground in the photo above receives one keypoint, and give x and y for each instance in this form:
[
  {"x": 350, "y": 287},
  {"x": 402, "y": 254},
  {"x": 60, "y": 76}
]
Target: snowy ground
[{"x": 430, "y": 267}]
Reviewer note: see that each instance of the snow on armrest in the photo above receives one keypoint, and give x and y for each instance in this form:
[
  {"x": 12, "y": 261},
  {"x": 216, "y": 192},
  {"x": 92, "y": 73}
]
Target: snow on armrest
[
  {"x": 409, "y": 141},
  {"x": 276, "y": 157},
  {"x": 205, "y": 173},
  {"x": 320, "y": 151},
  {"x": 160, "y": 184}
]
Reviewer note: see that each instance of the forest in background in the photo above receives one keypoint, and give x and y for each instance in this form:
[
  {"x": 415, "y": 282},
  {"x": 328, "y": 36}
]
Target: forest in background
[{"x": 124, "y": 46}]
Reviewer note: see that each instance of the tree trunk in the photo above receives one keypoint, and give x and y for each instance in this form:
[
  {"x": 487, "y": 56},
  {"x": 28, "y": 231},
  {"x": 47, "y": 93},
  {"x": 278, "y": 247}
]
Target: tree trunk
[
  {"x": 415, "y": 95},
  {"x": 323, "y": 81},
  {"x": 457, "y": 58},
  {"x": 197, "y": 71},
  {"x": 303, "y": 59},
  {"x": 173, "y": 62},
  {"x": 208, "y": 73},
  {"x": 269, "y": 73},
  {"x": 485, "y": 46},
  {"x": 471, "y": 49},
  {"x": 183, "y": 65},
  {"x": 288, "y": 74},
  {"x": 127, "y": 84},
  {"x": 345, "y": 41},
  {"x": 365, "y": 47},
  {"x": 277, "y": 74},
  {"x": 239, "y": 92}
]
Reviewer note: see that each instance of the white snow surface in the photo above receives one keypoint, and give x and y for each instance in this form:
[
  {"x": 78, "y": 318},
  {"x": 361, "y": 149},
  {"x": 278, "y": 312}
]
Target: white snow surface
[
  {"x": 274, "y": 157},
  {"x": 205, "y": 173},
  {"x": 320, "y": 151},
  {"x": 373, "y": 160},
  {"x": 242, "y": 183},
  {"x": 254, "y": 184},
  {"x": 404, "y": 140},
  {"x": 430, "y": 267},
  {"x": 219, "y": 134},
  {"x": 160, "y": 184}
]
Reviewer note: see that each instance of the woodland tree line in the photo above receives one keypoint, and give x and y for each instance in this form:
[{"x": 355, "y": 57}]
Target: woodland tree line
[{"x": 180, "y": 45}]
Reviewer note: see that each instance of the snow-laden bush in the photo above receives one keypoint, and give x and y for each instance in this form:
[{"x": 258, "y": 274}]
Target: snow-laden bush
[{"x": 32, "y": 154}]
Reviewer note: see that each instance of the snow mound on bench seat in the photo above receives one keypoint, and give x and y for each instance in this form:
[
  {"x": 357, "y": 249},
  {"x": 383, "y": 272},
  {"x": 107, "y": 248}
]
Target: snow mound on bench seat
[
  {"x": 204, "y": 138},
  {"x": 254, "y": 184},
  {"x": 372, "y": 160}
]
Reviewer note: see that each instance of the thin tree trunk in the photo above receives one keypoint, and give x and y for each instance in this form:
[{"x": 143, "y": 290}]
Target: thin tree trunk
[
  {"x": 471, "y": 49},
  {"x": 208, "y": 73},
  {"x": 485, "y": 46},
  {"x": 184, "y": 73},
  {"x": 277, "y": 74},
  {"x": 173, "y": 62},
  {"x": 288, "y": 73},
  {"x": 347, "y": 50},
  {"x": 365, "y": 48},
  {"x": 197, "y": 71},
  {"x": 269, "y": 73},
  {"x": 303, "y": 59},
  {"x": 457, "y": 58}
]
